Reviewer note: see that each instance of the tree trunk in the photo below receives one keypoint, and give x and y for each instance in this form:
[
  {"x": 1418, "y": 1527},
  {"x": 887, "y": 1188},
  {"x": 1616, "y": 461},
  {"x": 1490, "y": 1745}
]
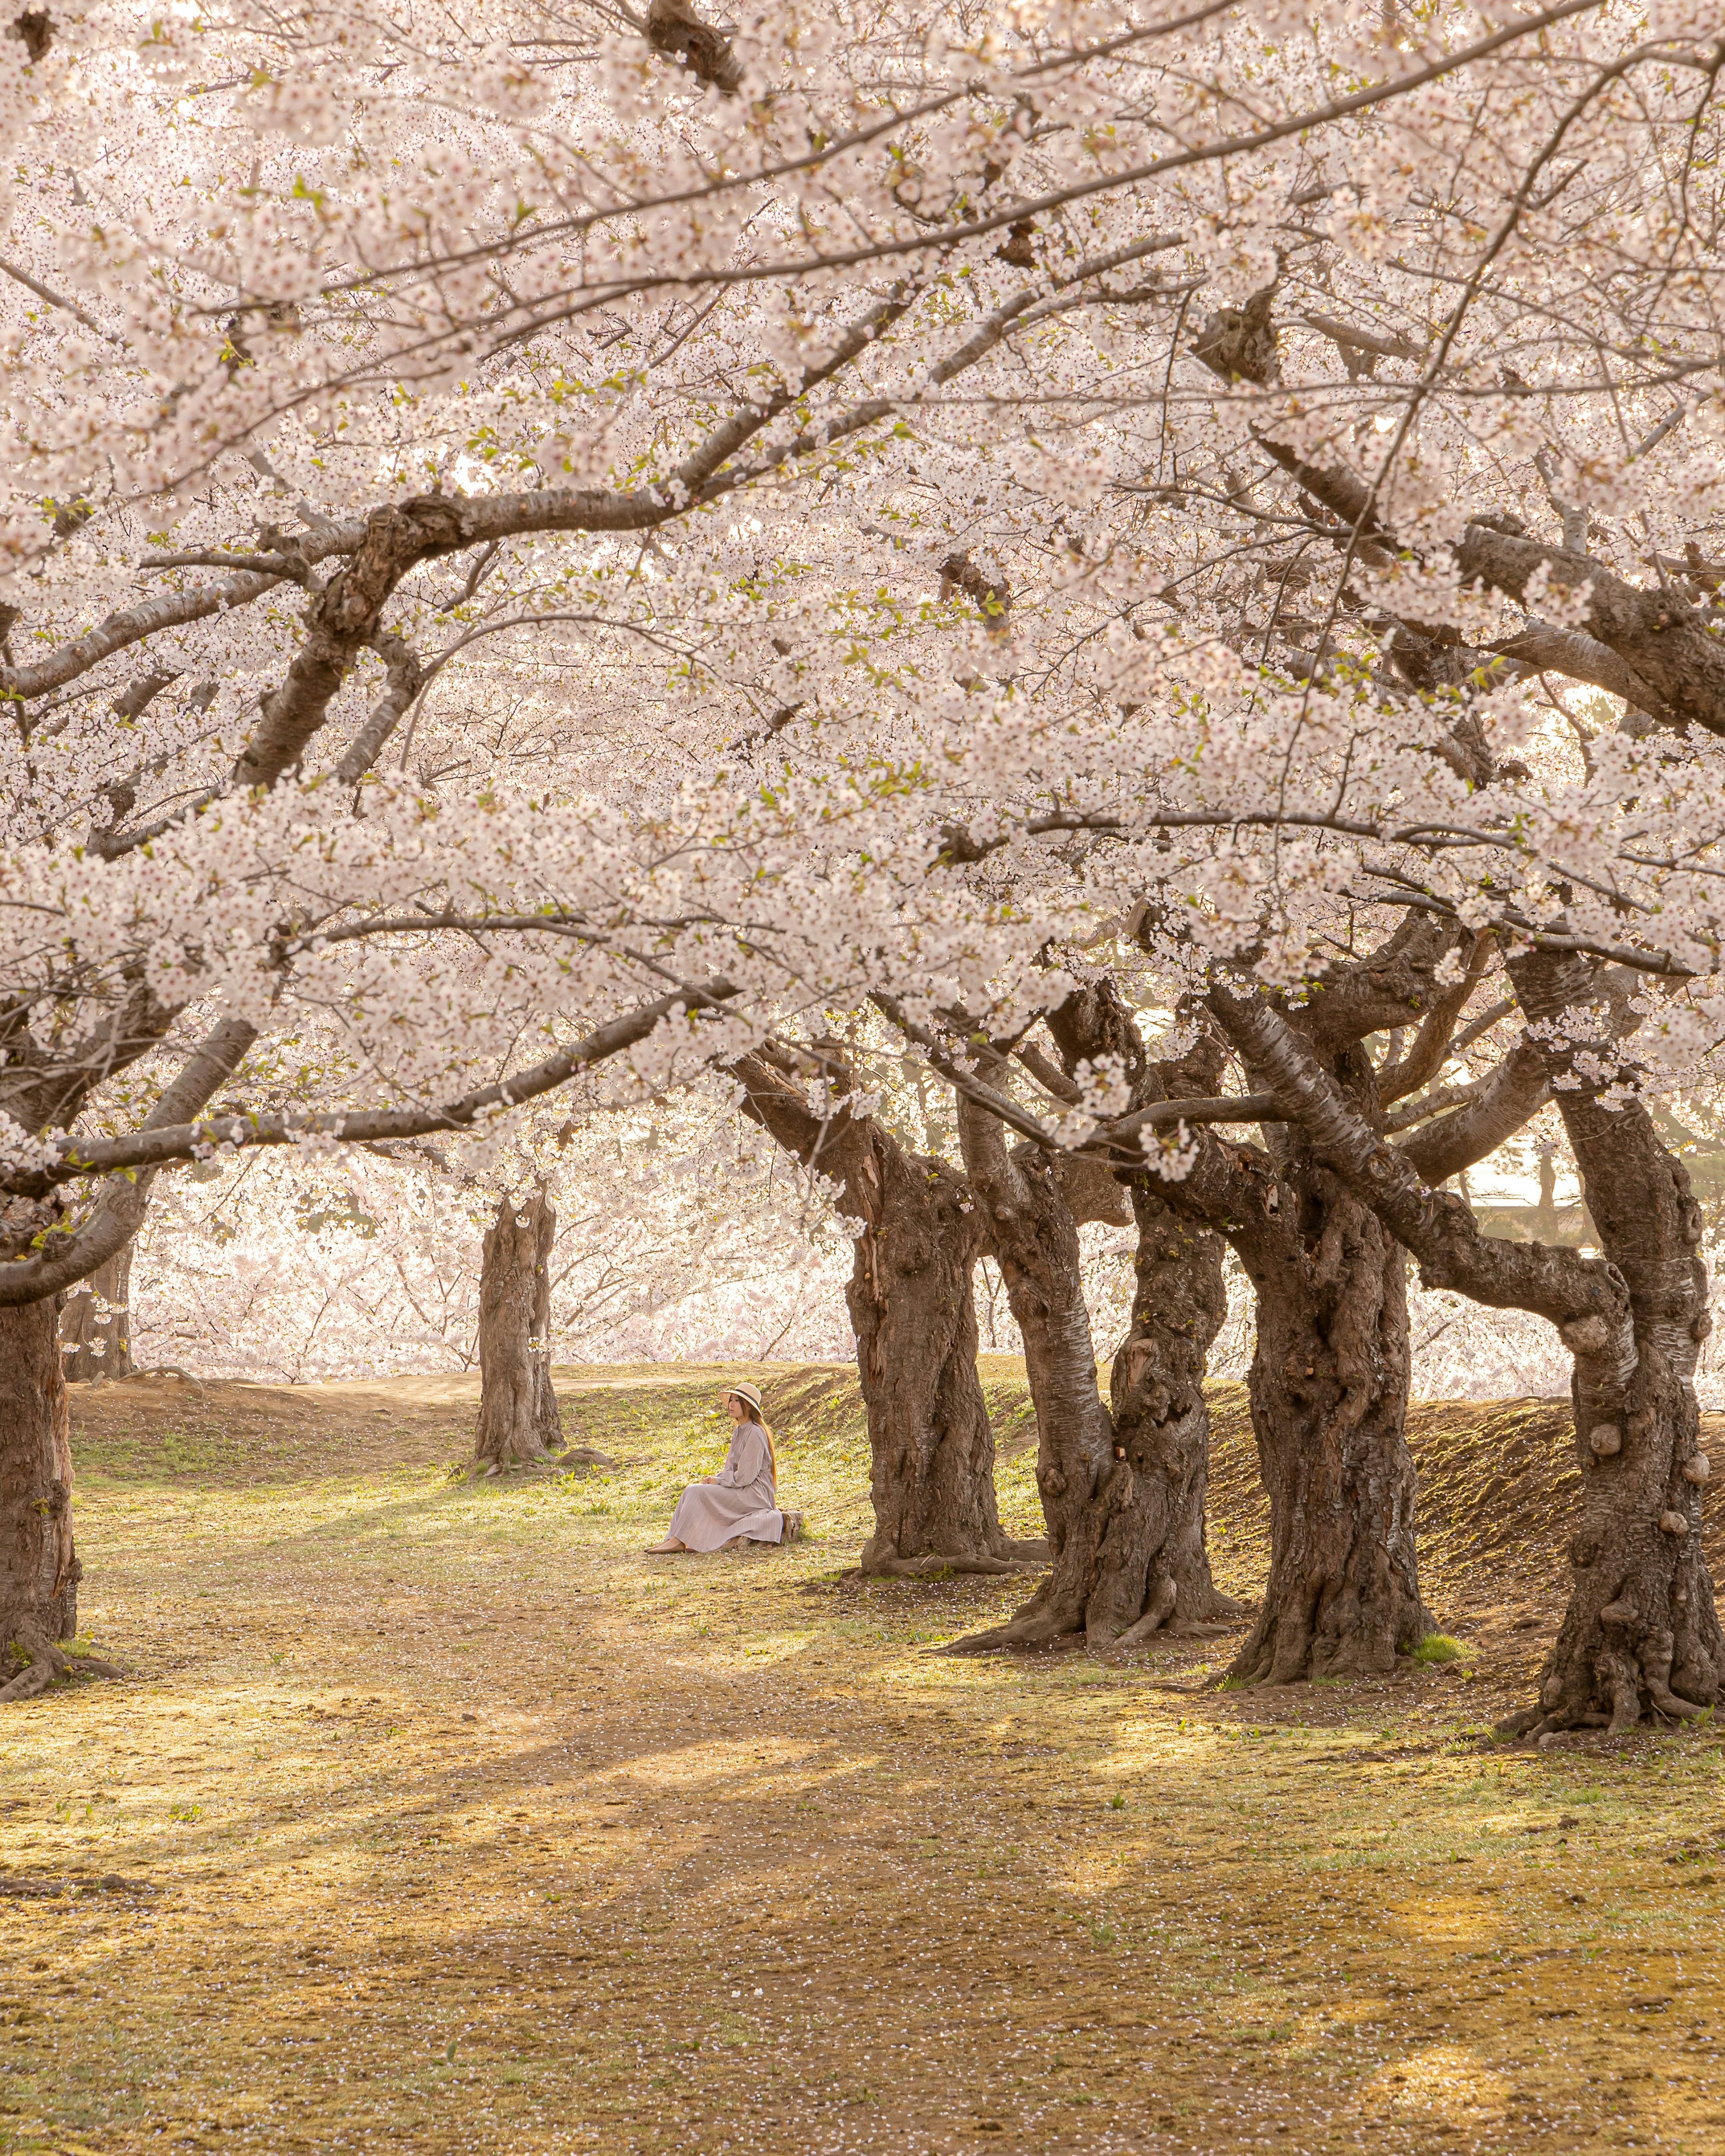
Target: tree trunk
[
  {"x": 518, "y": 1417},
  {"x": 1329, "y": 1394},
  {"x": 1153, "y": 1567},
  {"x": 547, "y": 1416},
  {"x": 1123, "y": 1496},
  {"x": 1641, "y": 1633},
  {"x": 913, "y": 1311},
  {"x": 1123, "y": 1492},
  {"x": 1036, "y": 1239},
  {"x": 95, "y": 1325},
  {"x": 39, "y": 1570},
  {"x": 1147, "y": 1555}
]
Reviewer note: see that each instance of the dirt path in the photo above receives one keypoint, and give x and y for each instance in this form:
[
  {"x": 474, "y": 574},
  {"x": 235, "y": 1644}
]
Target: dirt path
[{"x": 447, "y": 1821}]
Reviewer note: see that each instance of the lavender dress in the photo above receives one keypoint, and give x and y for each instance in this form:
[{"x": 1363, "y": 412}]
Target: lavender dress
[{"x": 739, "y": 1501}]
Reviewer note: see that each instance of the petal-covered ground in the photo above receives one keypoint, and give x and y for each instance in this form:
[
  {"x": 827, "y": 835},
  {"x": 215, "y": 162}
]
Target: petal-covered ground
[{"x": 436, "y": 1817}]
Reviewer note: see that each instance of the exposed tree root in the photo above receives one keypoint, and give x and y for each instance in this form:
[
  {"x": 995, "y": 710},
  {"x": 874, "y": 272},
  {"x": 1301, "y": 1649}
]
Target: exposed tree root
[
  {"x": 49, "y": 1661},
  {"x": 1042, "y": 1627},
  {"x": 170, "y": 1370},
  {"x": 1638, "y": 1691},
  {"x": 1013, "y": 1639},
  {"x": 1656, "y": 1651},
  {"x": 937, "y": 1567},
  {"x": 1165, "y": 1594},
  {"x": 92, "y": 1666},
  {"x": 560, "y": 1463}
]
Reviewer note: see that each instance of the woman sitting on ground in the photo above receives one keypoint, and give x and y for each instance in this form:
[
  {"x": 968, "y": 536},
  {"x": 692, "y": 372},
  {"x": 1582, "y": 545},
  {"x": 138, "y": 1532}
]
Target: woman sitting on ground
[{"x": 736, "y": 1504}]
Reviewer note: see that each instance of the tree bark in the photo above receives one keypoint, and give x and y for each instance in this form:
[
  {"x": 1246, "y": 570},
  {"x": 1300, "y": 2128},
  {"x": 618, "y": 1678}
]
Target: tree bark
[
  {"x": 39, "y": 1569},
  {"x": 1641, "y": 1633},
  {"x": 1329, "y": 1377},
  {"x": 913, "y": 1311},
  {"x": 1035, "y": 1241},
  {"x": 1330, "y": 1372},
  {"x": 1153, "y": 1566},
  {"x": 518, "y": 1418},
  {"x": 95, "y": 1324},
  {"x": 548, "y": 1415},
  {"x": 1127, "y": 1526},
  {"x": 1328, "y": 1386}
]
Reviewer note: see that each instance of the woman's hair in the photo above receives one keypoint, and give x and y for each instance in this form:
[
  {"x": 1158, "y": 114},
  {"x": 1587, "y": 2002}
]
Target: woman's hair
[{"x": 751, "y": 1412}]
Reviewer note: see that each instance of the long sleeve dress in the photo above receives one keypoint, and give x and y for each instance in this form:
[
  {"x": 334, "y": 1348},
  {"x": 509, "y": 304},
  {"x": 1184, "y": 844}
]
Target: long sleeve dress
[{"x": 739, "y": 1501}]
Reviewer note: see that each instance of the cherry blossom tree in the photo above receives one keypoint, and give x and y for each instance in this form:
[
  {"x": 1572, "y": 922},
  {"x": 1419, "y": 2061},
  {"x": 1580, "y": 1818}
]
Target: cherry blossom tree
[{"x": 563, "y": 541}]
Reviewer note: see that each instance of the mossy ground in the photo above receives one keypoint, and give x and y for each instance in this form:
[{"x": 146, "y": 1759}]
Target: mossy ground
[{"x": 448, "y": 1820}]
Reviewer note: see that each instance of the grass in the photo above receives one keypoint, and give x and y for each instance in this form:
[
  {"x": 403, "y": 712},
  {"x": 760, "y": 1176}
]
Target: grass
[
  {"x": 444, "y": 1820},
  {"x": 1438, "y": 1647}
]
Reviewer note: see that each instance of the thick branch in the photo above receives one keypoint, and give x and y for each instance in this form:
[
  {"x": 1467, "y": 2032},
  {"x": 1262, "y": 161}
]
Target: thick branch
[
  {"x": 1352, "y": 338},
  {"x": 1638, "y": 1194},
  {"x": 1649, "y": 647},
  {"x": 124, "y": 1199},
  {"x": 994, "y": 1172},
  {"x": 1583, "y": 1297},
  {"x": 1515, "y": 1090},
  {"x": 152, "y": 1148},
  {"x": 1477, "y": 1028},
  {"x": 341, "y": 621},
  {"x": 132, "y": 626},
  {"x": 1431, "y": 1044},
  {"x": 406, "y": 677},
  {"x": 1567, "y": 651},
  {"x": 774, "y": 1099},
  {"x": 1675, "y": 668},
  {"x": 1382, "y": 991},
  {"x": 673, "y": 29}
]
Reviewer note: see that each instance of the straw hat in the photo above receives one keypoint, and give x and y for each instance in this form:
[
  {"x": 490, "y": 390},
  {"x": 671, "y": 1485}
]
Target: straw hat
[{"x": 751, "y": 1394}]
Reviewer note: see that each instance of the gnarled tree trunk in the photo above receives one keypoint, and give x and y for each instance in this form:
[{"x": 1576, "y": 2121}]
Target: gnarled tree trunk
[
  {"x": 1328, "y": 1386},
  {"x": 1329, "y": 1374},
  {"x": 96, "y": 1323},
  {"x": 1329, "y": 1393},
  {"x": 1035, "y": 1241},
  {"x": 518, "y": 1417},
  {"x": 1126, "y": 1526},
  {"x": 1153, "y": 1566},
  {"x": 39, "y": 1569},
  {"x": 912, "y": 1309},
  {"x": 1641, "y": 1633}
]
